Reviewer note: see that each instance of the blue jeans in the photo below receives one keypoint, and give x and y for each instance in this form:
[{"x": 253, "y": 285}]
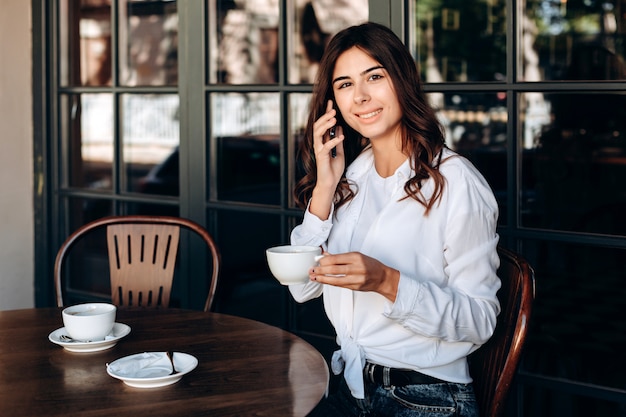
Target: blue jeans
[{"x": 432, "y": 400}]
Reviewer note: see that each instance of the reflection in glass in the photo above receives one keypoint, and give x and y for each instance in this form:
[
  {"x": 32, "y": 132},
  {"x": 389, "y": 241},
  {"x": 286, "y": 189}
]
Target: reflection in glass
[
  {"x": 576, "y": 164},
  {"x": 150, "y": 142},
  {"x": 471, "y": 120},
  {"x": 461, "y": 41},
  {"x": 85, "y": 42},
  {"x": 243, "y": 41},
  {"x": 314, "y": 23},
  {"x": 148, "y": 42},
  {"x": 87, "y": 148},
  {"x": 475, "y": 126},
  {"x": 573, "y": 40},
  {"x": 246, "y": 131}
]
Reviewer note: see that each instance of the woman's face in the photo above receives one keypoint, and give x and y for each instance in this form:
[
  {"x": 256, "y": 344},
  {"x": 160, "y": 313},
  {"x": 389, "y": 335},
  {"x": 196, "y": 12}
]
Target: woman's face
[{"x": 365, "y": 96}]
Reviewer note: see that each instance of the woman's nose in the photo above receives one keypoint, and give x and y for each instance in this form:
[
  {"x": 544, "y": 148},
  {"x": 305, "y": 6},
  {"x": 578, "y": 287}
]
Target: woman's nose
[{"x": 360, "y": 94}]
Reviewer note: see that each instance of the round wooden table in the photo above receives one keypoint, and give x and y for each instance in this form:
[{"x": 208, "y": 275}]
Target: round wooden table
[{"x": 244, "y": 368}]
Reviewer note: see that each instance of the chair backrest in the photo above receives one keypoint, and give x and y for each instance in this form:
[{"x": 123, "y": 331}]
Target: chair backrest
[
  {"x": 142, "y": 253},
  {"x": 494, "y": 364}
]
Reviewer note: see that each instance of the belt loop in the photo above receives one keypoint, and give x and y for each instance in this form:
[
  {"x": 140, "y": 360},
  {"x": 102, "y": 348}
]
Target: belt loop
[
  {"x": 386, "y": 376},
  {"x": 370, "y": 372}
]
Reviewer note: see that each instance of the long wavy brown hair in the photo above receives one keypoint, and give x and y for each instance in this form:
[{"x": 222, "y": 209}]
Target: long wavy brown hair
[{"x": 422, "y": 135}]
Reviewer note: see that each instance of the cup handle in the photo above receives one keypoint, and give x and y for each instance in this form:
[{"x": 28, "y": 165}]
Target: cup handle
[{"x": 317, "y": 259}]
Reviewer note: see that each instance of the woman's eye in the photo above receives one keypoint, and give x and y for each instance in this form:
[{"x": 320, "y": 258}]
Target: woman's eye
[
  {"x": 376, "y": 77},
  {"x": 344, "y": 85}
]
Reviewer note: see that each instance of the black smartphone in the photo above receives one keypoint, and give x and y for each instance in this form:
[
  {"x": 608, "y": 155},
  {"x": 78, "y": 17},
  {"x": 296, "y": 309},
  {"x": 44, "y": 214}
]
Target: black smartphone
[{"x": 332, "y": 133}]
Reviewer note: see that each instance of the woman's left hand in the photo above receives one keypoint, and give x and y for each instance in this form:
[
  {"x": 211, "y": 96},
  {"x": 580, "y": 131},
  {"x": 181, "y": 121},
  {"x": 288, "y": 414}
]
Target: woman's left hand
[{"x": 357, "y": 272}]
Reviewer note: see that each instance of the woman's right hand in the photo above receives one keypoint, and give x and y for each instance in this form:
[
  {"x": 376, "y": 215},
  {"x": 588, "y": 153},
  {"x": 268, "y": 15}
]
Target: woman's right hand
[{"x": 329, "y": 167}]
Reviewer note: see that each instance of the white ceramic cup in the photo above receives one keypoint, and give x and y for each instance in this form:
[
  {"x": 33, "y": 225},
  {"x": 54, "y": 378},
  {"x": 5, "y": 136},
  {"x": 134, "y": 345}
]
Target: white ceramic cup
[
  {"x": 290, "y": 264},
  {"x": 89, "y": 321}
]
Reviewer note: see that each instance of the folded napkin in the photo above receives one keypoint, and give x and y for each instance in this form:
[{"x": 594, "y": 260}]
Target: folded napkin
[{"x": 136, "y": 366}]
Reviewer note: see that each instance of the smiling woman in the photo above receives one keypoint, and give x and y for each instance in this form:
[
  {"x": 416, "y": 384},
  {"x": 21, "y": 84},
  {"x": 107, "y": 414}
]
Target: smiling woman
[{"x": 408, "y": 229}]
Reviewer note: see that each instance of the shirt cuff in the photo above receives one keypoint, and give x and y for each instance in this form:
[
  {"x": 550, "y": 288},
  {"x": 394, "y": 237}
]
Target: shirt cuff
[
  {"x": 409, "y": 292},
  {"x": 311, "y": 222}
]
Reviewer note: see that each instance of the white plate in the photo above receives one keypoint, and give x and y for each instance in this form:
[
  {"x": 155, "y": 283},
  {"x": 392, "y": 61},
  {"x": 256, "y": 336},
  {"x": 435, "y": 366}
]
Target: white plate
[
  {"x": 151, "y": 369},
  {"x": 119, "y": 330}
]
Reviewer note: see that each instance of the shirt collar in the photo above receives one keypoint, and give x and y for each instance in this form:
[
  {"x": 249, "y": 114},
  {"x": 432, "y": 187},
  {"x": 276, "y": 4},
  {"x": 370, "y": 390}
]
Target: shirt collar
[{"x": 365, "y": 162}]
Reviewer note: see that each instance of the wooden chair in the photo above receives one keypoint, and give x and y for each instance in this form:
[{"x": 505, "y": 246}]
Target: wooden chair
[
  {"x": 142, "y": 253},
  {"x": 494, "y": 364}
]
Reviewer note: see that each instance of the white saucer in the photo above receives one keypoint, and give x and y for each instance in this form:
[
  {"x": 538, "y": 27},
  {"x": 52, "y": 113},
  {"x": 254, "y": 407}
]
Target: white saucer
[
  {"x": 119, "y": 330},
  {"x": 151, "y": 369}
]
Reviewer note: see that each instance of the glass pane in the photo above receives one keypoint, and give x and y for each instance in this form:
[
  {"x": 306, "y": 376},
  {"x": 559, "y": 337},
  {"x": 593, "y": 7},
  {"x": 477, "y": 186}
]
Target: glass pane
[
  {"x": 151, "y": 138},
  {"x": 87, "y": 268},
  {"x": 459, "y": 40},
  {"x": 87, "y": 140},
  {"x": 575, "y": 166},
  {"x": 246, "y": 131},
  {"x": 314, "y": 23},
  {"x": 151, "y": 209},
  {"x": 84, "y": 210},
  {"x": 148, "y": 39},
  {"x": 475, "y": 125},
  {"x": 250, "y": 290},
  {"x": 577, "y": 314},
  {"x": 575, "y": 40},
  {"x": 243, "y": 41},
  {"x": 298, "y": 115},
  {"x": 85, "y": 42}
]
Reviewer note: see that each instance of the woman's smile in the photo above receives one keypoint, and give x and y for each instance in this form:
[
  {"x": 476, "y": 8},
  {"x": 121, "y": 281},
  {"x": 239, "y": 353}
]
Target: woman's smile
[{"x": 369, "y": 115}]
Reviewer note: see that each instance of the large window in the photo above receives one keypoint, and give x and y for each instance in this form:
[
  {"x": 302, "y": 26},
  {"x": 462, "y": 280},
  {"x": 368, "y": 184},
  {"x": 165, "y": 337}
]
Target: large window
[
  {"x": 195, "y": 108},
  {"x": 543, "y": 117}
]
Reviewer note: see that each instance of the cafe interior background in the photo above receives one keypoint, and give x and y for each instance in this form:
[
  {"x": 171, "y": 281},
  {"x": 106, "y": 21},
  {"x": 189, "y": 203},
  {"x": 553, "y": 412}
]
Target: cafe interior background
[{"x": 194, "y": 108}]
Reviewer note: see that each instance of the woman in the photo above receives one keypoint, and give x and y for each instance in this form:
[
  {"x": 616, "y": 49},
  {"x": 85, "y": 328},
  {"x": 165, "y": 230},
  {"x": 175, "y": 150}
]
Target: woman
[{"x": 408, "y": 230}]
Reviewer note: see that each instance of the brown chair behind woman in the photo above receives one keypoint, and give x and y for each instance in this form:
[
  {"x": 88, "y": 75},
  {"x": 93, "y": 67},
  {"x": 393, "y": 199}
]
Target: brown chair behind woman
[
  {"x": 142, "y": 252},
  {"x": 494, "y": 364}
]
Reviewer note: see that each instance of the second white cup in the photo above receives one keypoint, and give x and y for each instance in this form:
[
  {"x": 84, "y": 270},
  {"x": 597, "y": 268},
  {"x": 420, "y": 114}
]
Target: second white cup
[{"x": 89, "y": 322}]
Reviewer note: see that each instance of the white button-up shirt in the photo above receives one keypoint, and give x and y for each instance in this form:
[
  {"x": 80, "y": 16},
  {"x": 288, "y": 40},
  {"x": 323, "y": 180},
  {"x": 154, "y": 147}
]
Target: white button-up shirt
[{"x": 446, "y": 303}]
